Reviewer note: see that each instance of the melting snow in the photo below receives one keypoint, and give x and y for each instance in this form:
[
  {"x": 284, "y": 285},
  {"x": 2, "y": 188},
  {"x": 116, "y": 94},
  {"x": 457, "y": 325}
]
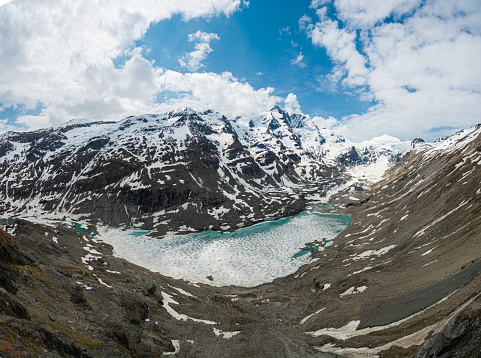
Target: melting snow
[
  {"x": 427, "y": 252},
  {"x": 224, "y": 334},
  {"x": 304, "y": 320},
  {"x": 168, "y": 300},
  {"x": 353, "y": 290},
  {"x": 369, "y": 253},
  {"x": 176, "y": 345}
]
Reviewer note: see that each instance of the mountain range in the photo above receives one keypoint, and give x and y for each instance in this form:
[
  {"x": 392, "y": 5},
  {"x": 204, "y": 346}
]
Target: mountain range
[{"x": 182, "y": 171}]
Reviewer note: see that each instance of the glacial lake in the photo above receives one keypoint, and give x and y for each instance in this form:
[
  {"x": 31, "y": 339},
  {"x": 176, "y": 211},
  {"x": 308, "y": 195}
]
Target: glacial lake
[{"x": 246, "y": 257}]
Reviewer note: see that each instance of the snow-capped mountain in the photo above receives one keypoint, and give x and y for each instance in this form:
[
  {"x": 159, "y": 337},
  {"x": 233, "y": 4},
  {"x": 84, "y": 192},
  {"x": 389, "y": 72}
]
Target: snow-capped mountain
[{"x": 183, "y": 170}]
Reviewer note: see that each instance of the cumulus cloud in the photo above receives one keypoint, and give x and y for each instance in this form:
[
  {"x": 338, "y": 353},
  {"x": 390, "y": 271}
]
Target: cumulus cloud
[
  {"x": 223, "y": 92},
  {"x": 366, "y": 13},
  {"x": 291, "y": 104},
  {"x": 61, "y": 55},
  {"x": 420, "y": 68},
  {"x": 330, "y": 122},
  {"x": 193, "y": 60},
  {"x": 341, "y": 47}
]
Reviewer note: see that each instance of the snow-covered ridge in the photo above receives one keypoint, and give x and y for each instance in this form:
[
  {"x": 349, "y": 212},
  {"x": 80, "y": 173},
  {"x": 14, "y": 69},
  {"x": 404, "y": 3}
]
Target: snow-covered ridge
[{"x": 144, "y": 169}]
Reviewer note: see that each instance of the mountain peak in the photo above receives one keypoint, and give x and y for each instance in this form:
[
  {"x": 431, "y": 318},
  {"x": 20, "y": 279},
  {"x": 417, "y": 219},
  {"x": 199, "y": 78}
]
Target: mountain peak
[
  {"x": 277, "y": 108},
  {"x": 181, "y": 112}
]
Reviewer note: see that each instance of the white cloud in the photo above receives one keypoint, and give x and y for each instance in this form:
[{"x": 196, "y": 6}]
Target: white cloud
[
  {"x": 3, "y": 2},
  {"x": 286, "y": 30},
  {"x": 305, "y": 23},
  {"x": 291, "y": 104},
  {"x": 60, "y": 54},
  {"x": 330, "y": 122},
  {"x": 341, "y": 47},
  {"x": 193, "y": 60},
  {"x": 318, "y": 3},
  {"x": 298, "y": 61},
  {"x": 34, "y": 122},
  {"x": 223, "y": 92},
  {"x": 422, "y": 71},
  {"x": 366, "y": 13}
]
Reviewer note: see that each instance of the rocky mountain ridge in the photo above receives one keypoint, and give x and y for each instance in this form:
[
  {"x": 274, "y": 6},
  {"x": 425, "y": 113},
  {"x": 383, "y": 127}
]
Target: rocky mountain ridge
[{"x": 181, "y": 171}]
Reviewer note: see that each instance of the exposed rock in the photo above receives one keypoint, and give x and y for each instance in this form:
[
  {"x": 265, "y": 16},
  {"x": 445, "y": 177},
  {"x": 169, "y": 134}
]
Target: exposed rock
[{"x": 417, "y": 142}]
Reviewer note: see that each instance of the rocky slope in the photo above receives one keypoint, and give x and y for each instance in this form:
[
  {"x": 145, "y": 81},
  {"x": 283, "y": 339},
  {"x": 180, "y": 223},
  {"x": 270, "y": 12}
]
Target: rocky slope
[
  {"x": 403, "y": 280},
  {"x": 181, "y": 171}
]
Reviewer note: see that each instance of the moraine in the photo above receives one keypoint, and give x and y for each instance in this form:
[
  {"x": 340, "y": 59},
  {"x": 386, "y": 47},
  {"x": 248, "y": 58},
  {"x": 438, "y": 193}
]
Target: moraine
[{"x": 246, "y": 257}]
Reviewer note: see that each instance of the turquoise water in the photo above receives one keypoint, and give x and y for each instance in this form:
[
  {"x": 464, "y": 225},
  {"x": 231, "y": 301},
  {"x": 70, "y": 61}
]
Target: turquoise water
[
  {"x": 246, "y": 257},
  {"x": 79, "y": 227},
  {"x": 139, "y": 232}
]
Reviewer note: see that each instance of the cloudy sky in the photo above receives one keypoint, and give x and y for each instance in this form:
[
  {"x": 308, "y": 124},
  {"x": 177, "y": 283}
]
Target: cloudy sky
[{"x": 408, "y": 68}]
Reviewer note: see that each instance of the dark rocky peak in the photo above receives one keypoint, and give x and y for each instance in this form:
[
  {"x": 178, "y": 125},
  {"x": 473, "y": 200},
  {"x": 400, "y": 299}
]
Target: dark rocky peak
[
  {"x": 183, "y": 112},
  {"x": 200, "y": 128},
  {"x": 350, "y": 157},
  {"x": 417, "y": 142},
  {"x": 277, "y": 108},
  {"x": 298, "y": 120},
  {"x": 26, "y": 137},
  {"x": 273, "y": 125},
  {"x": 187, "y": 118},
  {"x": 135, "y": 120},
  {"x": 127, "y": 123},
  {"x": 5, "y": 147},
  {"x": 339, "y": 138},
  {"x": 441, "y": 139},
  {"x": 227, "y": 126},
  {"x": 286, "y": 118}
]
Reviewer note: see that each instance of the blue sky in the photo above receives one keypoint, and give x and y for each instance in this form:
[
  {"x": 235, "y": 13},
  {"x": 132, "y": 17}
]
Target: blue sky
[
  {"x": 408, "y": 68},
  {"x": 259, "y": 45}
]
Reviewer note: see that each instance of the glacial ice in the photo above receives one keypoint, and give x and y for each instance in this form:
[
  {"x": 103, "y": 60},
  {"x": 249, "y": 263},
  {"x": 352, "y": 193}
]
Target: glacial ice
[{"x": 246, "y": 257}]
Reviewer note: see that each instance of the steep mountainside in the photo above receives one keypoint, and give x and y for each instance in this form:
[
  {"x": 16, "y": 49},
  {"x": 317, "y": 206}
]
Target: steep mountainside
[
  {"x": 402, "y": 281},
  {"x": 182, "y": 171}
]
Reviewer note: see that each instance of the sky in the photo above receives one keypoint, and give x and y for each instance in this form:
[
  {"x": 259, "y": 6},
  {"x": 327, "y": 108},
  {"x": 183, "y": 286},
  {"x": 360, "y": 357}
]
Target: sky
[{"x": 407, "y": 68}]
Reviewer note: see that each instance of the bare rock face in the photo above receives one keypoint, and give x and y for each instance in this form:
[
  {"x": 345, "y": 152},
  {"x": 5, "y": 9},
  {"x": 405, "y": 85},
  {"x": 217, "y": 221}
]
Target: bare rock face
[{"x": 461, "y": 337}]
